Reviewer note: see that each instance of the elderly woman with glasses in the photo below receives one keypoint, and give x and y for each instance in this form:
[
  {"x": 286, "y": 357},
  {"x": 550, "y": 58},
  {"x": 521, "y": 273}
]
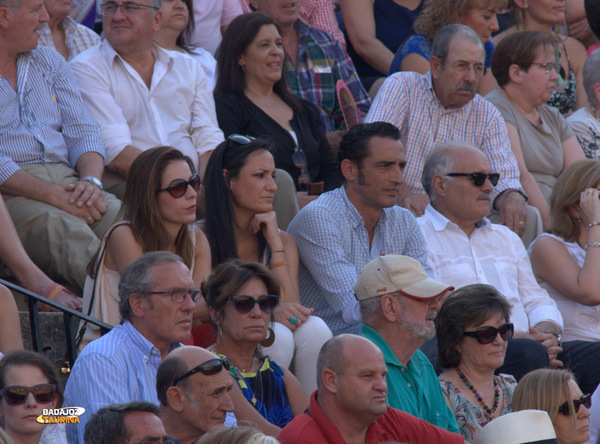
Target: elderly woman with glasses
[
  {"x": 525, "y": 67},
  {"x": 556, "y": 392},
  {"x": 473, "y": 331},
  {"x": 242, "y": 297},
  {"x": 28, "y": 385},
  {"x": 157, "y": 213},
  {"x": 241, "y": 224},
  {"x": 251, "y": 97}
]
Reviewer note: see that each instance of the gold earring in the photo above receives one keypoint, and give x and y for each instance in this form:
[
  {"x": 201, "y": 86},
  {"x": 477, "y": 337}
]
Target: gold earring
[{"x": 268, "y": 341}]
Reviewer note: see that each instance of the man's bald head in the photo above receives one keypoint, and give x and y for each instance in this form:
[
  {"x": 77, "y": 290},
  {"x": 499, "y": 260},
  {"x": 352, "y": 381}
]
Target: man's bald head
[{"x": 176, "y": 364}]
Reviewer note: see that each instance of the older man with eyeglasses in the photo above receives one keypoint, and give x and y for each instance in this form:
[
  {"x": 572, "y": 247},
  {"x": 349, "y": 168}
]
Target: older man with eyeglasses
[
  {"x": 157, "y": 296},
  {"x": 193, "y": 387},
  {"x": 143, "y": 96},
  {"x": 464, "y": 247}
]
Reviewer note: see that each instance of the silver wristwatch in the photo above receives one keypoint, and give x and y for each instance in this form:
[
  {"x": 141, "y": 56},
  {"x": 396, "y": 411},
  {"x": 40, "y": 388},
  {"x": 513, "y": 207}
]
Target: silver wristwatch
[{"x": 93, "y": 180}]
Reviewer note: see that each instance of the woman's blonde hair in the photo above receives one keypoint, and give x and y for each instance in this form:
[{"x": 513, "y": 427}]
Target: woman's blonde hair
[
  {"x": 544, "y": 389},
  {"x": 236, "y": 435},
  {"x": 566, "y": 193},
  {"x": 439, "y": 13}
]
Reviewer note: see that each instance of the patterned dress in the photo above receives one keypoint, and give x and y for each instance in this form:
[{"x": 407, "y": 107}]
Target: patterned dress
[
  {"x": 470, "y": 418},
  {"x": 266, "y": 391}
]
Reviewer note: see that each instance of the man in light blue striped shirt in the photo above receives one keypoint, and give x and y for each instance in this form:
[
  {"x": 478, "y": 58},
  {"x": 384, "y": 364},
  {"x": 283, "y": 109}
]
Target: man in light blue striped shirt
[
  {"x": 51, "y": 153},
  {"x": 157, "y": 296},
  {"x": 344, "y": 229}
]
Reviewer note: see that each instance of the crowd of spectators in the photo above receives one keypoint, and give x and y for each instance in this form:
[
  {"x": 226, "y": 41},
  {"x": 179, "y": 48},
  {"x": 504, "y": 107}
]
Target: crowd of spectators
[{"x": 368, "y": 220}]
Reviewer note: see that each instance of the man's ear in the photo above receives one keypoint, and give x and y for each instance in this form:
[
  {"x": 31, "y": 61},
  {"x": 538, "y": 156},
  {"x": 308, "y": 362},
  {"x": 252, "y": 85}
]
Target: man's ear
[
  {"x": 329, "y": 378},
  {"x": 5, "y": 16},
  {"x": 435, "y": 64},
  {"x": 137, "y": 303},
  {"x": 438, "y": 183},
  {"x": 349, "y": 170},
  {"x": 391, "y": 312},
  {"x": 254, "y": 5},
  {"x": 175, "y": 397},
  {"x": 157, "y": 20}
]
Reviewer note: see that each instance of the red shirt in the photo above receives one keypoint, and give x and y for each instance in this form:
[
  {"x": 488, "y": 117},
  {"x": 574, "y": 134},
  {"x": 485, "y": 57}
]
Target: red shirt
[{"x": 393, "y": 425}]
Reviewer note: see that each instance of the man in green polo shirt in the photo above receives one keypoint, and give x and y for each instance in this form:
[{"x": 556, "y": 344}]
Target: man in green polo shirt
[{"x": 398, "y": 303}]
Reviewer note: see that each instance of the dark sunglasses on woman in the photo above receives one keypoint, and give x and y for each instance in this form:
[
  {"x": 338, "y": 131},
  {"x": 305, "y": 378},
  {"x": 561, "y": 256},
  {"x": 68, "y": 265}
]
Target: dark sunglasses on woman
[
  {"x": 585, "y": 400},
  {"x": 244, "y": 304},
  {"x": 487, "y": 334},
  {"x": 178, "y": 187},
  {"x": 17, "y": 394}
]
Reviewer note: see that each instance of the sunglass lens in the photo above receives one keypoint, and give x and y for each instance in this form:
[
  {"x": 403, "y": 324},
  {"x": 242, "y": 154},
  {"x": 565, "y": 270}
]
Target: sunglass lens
[
  {"x": 299, "y": 159},
  {"x": 478, "y": 179},
  {"x": 195, "y": 182},
  {"x": 212, "y": 367},
  {"x": 506, "y": 331},
  {"x": 494, "y": 178},
  {"x": 487, "y": 335},
  {"x": 43, "y": 393},
  {"x": 267, "y": 303},
  {"x": 178, "y": 187},
  {"x": 15, "y": 396},
  {"x": 243, "y": 304}
]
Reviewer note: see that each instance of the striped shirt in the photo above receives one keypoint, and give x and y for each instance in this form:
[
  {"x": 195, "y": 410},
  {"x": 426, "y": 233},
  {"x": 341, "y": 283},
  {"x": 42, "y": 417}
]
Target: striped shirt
[
  {"x": 407, "y": 100},
  {"x": 77, "y": 37},
  {"x": 120, "y": 366},
  {"x": 333, "y": 244},
  {"x": 321, "y": 62},
  {"x": 45, "y": 120}
]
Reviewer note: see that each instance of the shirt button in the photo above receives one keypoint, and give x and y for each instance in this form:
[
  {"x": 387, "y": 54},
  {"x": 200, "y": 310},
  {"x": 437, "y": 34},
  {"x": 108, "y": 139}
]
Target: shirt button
[
  {"x": 402, "y": 370},
  {"x": 409, "y": 384}
]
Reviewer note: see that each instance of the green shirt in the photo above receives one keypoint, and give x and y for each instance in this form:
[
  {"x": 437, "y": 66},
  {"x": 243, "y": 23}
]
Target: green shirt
[{"x": 415, "y": 388}]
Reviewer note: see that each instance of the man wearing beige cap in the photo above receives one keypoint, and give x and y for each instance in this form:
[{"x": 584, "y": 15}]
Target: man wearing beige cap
[{"x": 398, "y": 303}]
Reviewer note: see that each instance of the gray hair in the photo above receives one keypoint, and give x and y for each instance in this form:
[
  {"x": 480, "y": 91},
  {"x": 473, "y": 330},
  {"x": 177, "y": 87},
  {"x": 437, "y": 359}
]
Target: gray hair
[
  {"x": 106, "y": 426},
  {"x": 591, "y": 76},
  {"x": 370, "y": 311},
  {"x": 443, "y": 39},
  {"x": 14, "y": 5},
  {"x": 440, "y": 161},
  {"x": 137, "y": 278}
]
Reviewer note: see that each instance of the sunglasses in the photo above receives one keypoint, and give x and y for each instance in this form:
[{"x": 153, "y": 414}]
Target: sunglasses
[
  {"x": 178, "y": 187},
  {"x": 585, "y": 400},
  {"x": 244, "y": 304},
  {"x": 487, "y": 334},
  {"x": 210, "y": 367},
  {"x": 17, "y": 394},
  {"x": 239, "y": 138},
  {"x": 478, "y": 178},
  {"x": 299, "y": 159}
]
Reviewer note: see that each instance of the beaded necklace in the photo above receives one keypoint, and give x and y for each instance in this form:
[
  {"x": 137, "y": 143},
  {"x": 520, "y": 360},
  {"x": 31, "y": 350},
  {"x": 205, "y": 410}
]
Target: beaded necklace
[{"x": 489, "y": 413}]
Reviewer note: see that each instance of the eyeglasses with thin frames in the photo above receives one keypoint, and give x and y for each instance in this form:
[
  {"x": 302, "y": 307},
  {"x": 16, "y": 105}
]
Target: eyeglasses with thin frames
[
  {"x": 547, "y": 67},
  {"x": 478, "y": 178},
  {"x": 178, "y": 295},
  {"x": 127, "y": 8}
]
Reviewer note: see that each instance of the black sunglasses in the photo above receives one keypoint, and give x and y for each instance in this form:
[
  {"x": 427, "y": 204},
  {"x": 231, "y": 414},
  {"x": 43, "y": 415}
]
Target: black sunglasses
[
  {"x": 178, "y": 187},
  {"x": 299, "y": 159},
  {"x": 244, "y": 304},
  {"x": 585, "y": 400},
  {"x": 487, "y": 334},
  {"x": 241, "y": 139},
  {"x": 478, "y": 178},
  {"x": 17, "y": 394},
  {"x": 210, "y": 367}
]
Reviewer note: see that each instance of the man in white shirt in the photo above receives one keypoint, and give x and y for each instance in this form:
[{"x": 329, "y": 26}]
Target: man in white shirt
[
  {"x": 465, "y": 248},
  {"x": 143, "y": 96}
]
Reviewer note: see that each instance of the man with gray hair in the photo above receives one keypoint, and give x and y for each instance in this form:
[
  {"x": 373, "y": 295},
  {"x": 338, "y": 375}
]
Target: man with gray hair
[
  {"x": 135, "y": 421},
  {"x": 464, "y": 247},
  {"x": 193, "y": 386},
  {"x": 143, "y": 96},
  {"x": 398, "y": 303},
  {"x": 157, "y": 296},
  {"x": 443, "y": 105}
]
